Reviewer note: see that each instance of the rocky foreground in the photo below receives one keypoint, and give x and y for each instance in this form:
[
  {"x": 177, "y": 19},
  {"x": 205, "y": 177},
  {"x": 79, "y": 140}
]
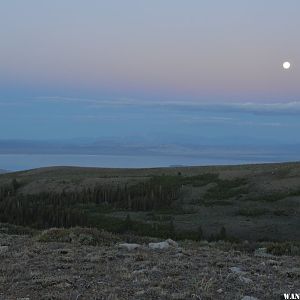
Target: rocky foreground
[{"x": 69, "y": 268}]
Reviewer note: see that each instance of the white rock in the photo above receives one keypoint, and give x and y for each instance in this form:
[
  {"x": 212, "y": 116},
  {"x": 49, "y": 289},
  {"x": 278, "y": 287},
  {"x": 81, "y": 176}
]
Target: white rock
[
  {"x": 220, "y": 291},
  {"x": 159, "y": 246},
  {"x": 237, "y": 270},
  {"x": 245, "y": 280},
  {"x": 178, "y": 296},
  {"x": 172, "y": 243},
  {"x": 163, "y": 245},
  {"x": 138, "y": 272},
  {"x": 129, "y": 247},
  {"x": 249, "y": 298}
]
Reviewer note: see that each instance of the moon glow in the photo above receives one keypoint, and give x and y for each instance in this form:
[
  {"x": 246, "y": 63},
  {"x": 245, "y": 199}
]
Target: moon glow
[{"x": 286, "y": 65}]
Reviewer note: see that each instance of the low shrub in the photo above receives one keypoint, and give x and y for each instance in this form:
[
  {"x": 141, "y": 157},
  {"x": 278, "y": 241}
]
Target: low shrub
[
  {"x": 225, "y": 189},
  {"x": 15, "y": 229},
  {"x": 284, "y": 248},
  {"x": 209, "y": 203},
  {"x": 82, "y": 236},
  {"x": 252, "y": 212},
  {"x": 281, "y": 212}
]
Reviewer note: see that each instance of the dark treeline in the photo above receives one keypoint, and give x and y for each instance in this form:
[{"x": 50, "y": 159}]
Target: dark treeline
[
  {"x": 87, "y": 207},
  {"x": 41, "y": 211},
  {"x": 67, "y": 209}
]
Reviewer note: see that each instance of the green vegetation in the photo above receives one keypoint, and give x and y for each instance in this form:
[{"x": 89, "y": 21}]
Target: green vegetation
[
  {"x": 7, "y": 228},
  {"x": 159, "y": 216},
  {"x": 201, "y": 180},
  {"x": 274, "y": 248},
  {"x": 83, "y": 236},
  {"x": 225, "y": 189},
  {"x": 286, "y": 248},
  {"x": 281, "y": 212},
  {"x": 252, "y": 212},
  {"x": 88, "y": 207},
  {"x": 270, "y": 197},
  {"x": 275, "y": 196},
  {"x": 221, "y": 236},
  {"x": 210, "y": 203},
  {"x": 171, "y": 205}
]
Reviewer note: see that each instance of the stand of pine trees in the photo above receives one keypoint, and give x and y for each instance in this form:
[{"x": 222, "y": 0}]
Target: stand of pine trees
[{"x": 66, "y": 209}]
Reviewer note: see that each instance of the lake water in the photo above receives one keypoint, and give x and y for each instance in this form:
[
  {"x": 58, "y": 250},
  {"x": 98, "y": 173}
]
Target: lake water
[{"x": 18, "y": 162}]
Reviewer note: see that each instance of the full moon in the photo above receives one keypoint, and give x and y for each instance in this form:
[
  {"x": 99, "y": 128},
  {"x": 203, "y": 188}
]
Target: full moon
[{"x": 286, "y": 65}]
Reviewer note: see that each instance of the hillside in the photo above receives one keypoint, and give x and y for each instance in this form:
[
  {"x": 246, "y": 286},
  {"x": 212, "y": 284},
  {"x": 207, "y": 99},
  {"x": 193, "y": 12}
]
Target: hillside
[{"x": 246, "y": 202}]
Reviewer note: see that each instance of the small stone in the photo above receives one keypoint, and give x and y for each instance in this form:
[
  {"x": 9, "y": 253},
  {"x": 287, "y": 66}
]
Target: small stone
[
  {"x": 129, "y": 247},
  {"x": 159, "y": 246},
  {"x": 249, "y": 298},
  {"x": 237, "y": 270},
  {"x": 219, "y": 291},
  {"x": 245, "y": 280},
  {"x": 179, "y": 296},
  {"x": 63, "y": 285},
  {"x": 172, "y": 243},
  {"x": 138, "y": 272}
]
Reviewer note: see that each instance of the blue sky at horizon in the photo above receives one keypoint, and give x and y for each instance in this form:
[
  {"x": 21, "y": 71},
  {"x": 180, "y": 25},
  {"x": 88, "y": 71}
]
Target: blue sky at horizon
[{"x": 156, "y": 70}]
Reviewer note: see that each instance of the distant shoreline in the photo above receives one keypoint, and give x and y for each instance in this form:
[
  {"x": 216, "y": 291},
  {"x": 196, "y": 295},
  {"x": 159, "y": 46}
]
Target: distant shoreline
[
  {"x": 21, "y": 162},
  {"x": 76, "y": 168}
]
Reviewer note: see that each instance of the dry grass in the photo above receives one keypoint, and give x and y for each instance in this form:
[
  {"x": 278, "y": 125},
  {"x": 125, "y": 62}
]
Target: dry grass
[{"x": 64, "y": 270}]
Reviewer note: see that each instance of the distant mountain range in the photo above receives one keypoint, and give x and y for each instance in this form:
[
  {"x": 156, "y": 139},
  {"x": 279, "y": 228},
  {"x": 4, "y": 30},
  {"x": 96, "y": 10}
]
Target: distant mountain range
[
  {"x": 3, "y": 171},
  {"x": 26, "y": 154},
  {"x": 151, "y": 148}
]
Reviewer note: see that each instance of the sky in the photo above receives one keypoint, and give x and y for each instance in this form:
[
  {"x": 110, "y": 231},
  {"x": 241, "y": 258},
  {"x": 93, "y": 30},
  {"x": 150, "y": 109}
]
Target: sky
[{"x": 166, "y": 71}]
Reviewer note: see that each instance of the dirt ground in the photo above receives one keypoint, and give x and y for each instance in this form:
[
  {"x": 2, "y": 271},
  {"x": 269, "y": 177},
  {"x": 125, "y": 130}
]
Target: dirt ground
[{"x": 30, "y": 269}]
